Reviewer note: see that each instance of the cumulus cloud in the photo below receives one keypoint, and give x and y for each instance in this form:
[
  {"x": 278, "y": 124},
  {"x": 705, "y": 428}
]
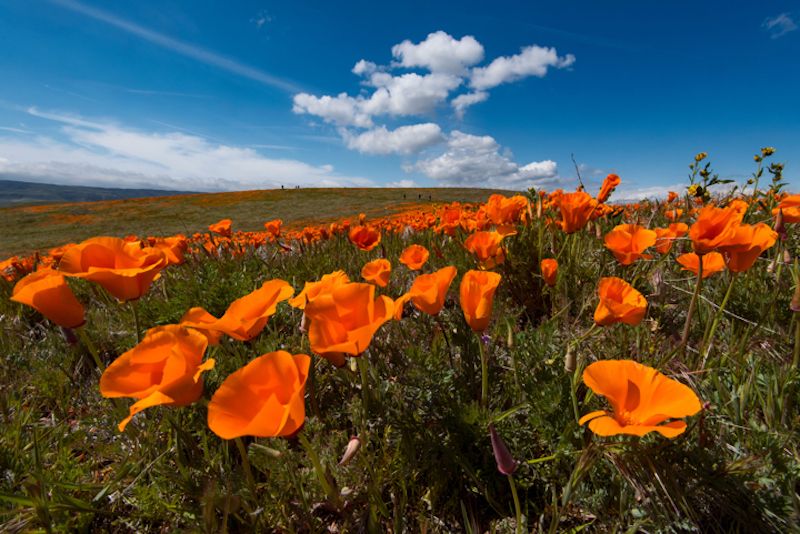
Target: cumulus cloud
[
  {"x": 462, "y": 102},
  {"x": 779, "y": 25},
  {"x": 403, "y": 140},
  {"x": 449, "y": 62},
  {"x": 342, "y": 109},
  {"x": 439, "y": 52},
  {"x": 409, "y": 94},
  {"x": 472, "y": 160},
  {"x": 531, "y": 61},
  {"x": 110, "y": 155}
]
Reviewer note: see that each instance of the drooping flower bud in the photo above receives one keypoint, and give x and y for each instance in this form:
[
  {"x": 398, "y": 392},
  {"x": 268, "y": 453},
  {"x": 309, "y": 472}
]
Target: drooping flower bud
[
  {"x": 794, "y": 305},
  {"x": 352, "y": 448},
  {"x": 780, "y": 226},
  {"x": 506, "y": 463}
]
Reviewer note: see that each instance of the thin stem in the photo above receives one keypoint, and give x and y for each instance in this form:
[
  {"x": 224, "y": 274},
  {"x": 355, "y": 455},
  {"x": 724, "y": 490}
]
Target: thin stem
[
  {"x": 484, "y": 372},
  {"x": 332, "y": 494},
  {"x": 87, "y": 342},
  {"x": 692, "y": 304},
  {"x": 132, "y": 305},
  {"x": 796, "y": 358},
  {"x": 248, "y": 472},
  {"x": 517, "y": 508},
  {"x": 363, "y": 367},
  {"x": 712, "y": 326}
]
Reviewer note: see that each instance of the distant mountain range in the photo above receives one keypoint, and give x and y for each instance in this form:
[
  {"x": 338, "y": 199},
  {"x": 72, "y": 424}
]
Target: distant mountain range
[{"x": 14, "y": 193}]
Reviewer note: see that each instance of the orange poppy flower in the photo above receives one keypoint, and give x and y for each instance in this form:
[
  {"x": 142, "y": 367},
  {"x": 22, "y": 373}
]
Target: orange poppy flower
[
  {"x": 414, "y": 257},
  {"x": 673, "y": 214},
  {"x": 665, "y": 237},
  {"x": 619, "y": 303},
  {"x": 790, "y": 206},
  {"x": 222, "y": 227},
  {"x": 672, "y": 196},
  {"x": 246, "y": 317},
  {"x": 312, "y": 290},
  {"x": 164, "y": 369},
  {"x": 476, "y": 296},
  {"x": 173, "y": 248},
  {"x": 486, "y": 247},
  {"x": 273, "y": 227},
  {"x": 265, "y": 398},
  {"x": 199, "y": 319},
  {"x": 506, "y": 211},
  {"x": 576, "y": 209},
  {"x": 629, "y": 241},
  {"x": 641, "y": 399},
  {"x": 713, "y": 262},
  {"x": 747, "y": 244},
  {"x": 549, "y": 268},
  {"x": 714, "y": 228},
  {"x": 344, "y": 320},
  {"x": 364, "y": 237},
  {"x": 123, "y": 269},
  {"x": 377, "y": 272},
  {"x": 609, "y": 184},
  {"x": 47, "y": 292},
  {"x": 428, "y": 291}
]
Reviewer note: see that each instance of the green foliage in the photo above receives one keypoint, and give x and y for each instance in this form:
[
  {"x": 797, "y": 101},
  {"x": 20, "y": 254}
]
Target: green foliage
[{"x": 425, "y": 462}]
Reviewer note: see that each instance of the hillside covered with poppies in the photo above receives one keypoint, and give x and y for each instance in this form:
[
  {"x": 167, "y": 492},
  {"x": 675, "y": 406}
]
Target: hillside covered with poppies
[{"x": 540, "y": 362}]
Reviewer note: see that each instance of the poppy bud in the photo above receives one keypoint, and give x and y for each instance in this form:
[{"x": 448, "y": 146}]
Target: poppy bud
[
  {"x": 506, "y": 463},
  {"x": 794, "y": 305},
  {"x": 780, "y": 227},
  {"x": 352, "y": 448},
  {"x": 787, "y": 258},
  {"x": 570, "y": 360},
  {"x": 304, "y": 323}
]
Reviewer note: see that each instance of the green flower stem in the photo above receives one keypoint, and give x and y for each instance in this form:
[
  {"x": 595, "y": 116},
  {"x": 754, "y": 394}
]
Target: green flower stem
[
  {"x": 330, "y": 491},
  {"x": 248, "y": 471},
  {"x": 132, "y": 305},
  {"x": 692, "y": 305},
  {"x": 87, "y": 342},
  {"x": 517, "y": 508},
  {"x": 484, "y": 372},
  {"x": 796, "y": 358},
  {"x": 712, "y": 326}
]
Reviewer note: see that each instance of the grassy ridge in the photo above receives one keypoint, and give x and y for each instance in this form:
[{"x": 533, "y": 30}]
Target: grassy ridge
[{"x": 27, "y": 229}]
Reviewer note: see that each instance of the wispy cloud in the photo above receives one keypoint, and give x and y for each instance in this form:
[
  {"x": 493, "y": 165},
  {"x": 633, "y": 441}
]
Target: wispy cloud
[
  {"x": 14, "y": 130},
  {"x": 779, "y": 25},
  {"x": 108, "y": 154},
  {"x": 186, "y": 49}
]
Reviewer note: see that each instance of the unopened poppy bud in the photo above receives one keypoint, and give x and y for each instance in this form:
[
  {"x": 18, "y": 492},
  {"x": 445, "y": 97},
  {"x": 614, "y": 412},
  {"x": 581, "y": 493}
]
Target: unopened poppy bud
[
  {"x": 352, "y": 448},
  {"x": 570, "y": 361},
  {"x": 787, "y": 258},
  {"x": 598, "y": 232},
  {"x": 304, "y": 323},
  {"x": 794, "y": 305},
  {"x": 539, "y": 208},
  {"x": 510, "y": 338},
  {"x": 780, "y": 226},
  {"x": 506, "y": 463}
]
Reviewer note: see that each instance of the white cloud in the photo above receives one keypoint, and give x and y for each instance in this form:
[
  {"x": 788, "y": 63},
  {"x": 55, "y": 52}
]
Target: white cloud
[
  {"x": 462, "y": 102},
  {"x": 342, "y": 109},
  {"x": 111, "y": 155},
  {"x": 440, "y": 52},
  {"x": 471, "y": 160},
  {"x": 364, "y": 67},
  {"x": 408, "y": 94},
  {"x": 402, "y": 140},
  {"x": 531, "y": 61},
  {"x": 779, "y": 25},
  {"x": 405, "y": 184}
]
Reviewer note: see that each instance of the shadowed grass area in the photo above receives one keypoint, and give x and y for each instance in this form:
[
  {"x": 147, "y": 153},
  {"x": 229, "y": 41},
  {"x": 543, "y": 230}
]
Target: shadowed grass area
[{"x": 27, "y": 229}]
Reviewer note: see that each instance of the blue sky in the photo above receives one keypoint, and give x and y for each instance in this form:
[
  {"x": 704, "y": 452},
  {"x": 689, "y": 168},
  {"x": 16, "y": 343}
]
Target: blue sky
[{"x": 204, "y": 95}]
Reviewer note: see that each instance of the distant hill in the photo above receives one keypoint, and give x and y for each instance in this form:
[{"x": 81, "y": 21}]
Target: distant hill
[{"x": 14, "y": 193}]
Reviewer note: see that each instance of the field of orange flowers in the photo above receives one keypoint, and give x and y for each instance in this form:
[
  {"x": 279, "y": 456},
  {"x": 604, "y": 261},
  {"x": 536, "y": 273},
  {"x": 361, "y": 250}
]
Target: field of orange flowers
[{"x": 547, "y": 362}]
